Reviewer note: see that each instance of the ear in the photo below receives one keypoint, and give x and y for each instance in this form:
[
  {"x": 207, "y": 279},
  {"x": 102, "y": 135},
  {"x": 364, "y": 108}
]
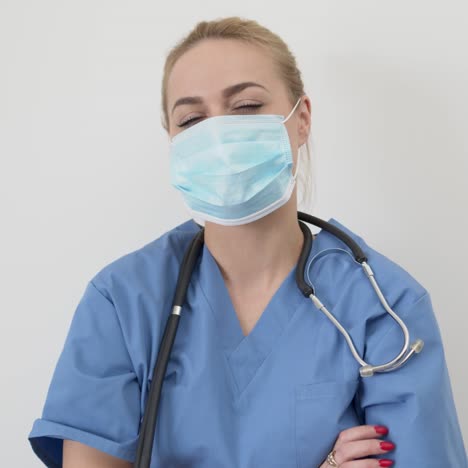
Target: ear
[{"x": 305, "y": 117}]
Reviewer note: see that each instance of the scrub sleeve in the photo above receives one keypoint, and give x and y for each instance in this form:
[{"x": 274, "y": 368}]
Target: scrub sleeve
[
  {"x": 415, "y": 401},
  {"x": 94, "y": 394}
]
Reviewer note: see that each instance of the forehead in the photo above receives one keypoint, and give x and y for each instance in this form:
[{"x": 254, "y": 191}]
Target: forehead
[{"x": 215, "y": 64}]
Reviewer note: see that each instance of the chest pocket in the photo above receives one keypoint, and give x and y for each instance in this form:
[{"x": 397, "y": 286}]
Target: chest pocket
[{"x": 322, "y": 410}]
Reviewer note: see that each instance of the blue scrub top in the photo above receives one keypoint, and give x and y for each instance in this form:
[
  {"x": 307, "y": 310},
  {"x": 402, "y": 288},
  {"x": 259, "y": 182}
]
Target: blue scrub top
[{"x": 277, "y": 397}]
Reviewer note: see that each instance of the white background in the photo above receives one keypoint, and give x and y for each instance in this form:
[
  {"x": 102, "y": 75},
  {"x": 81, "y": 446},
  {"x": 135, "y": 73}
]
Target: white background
[{"x": 84, "y": 163}]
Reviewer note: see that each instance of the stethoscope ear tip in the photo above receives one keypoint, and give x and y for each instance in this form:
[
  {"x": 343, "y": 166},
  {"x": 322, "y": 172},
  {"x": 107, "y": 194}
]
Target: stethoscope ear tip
[
  {"x": 418, "y": 345},
  {"x": 366, "y": 371}
]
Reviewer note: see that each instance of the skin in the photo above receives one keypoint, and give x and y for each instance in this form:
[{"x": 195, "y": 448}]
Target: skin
[
  {"x": 254, "y": 257},
  {"x": 78, "y": 455}
]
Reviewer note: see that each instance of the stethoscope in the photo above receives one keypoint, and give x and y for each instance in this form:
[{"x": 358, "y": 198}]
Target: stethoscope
[{"x": 145, "y": 442}]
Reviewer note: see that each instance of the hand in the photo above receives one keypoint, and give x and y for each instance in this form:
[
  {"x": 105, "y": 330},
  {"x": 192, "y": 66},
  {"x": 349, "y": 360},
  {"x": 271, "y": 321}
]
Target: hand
[{"x": 361, "y": 441}]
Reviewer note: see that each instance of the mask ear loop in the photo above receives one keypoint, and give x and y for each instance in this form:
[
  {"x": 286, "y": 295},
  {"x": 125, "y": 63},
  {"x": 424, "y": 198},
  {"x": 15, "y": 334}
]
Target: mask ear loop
[
  {"x": 298, "y": 160},
  {"x": 293, "y": 109}
]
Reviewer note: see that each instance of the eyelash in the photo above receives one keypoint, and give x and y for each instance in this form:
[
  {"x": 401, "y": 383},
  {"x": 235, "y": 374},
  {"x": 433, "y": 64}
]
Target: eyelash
[{"x": 240, "y": 107}]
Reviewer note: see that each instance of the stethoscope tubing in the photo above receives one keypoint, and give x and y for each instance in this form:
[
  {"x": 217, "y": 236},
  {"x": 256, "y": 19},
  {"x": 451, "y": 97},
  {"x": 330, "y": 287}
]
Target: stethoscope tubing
[{"x": 148, "y": 423}]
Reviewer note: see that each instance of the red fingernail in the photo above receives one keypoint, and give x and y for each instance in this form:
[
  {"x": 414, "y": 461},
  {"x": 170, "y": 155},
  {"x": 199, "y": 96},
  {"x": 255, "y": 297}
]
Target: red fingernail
[
  {"x": 385, "y": 462},
  {"x": 387, "y": 445},
  {"x": 381, "y": 429}
]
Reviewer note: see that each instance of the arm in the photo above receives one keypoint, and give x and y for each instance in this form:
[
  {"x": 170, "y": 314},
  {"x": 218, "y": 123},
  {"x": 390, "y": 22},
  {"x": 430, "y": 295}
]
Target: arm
[
  {"x": 94, "y": 396},
  {"x": 415, "y": 401},
  {"x": 77, "y": 455}
]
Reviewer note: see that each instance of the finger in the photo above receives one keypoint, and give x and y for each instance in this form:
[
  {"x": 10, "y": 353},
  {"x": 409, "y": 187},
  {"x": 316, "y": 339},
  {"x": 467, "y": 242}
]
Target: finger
[
  {"x": 365, "y": 431},
  {"x": 360, "y": 449},
  {"x": 367, "y": 463},
  {"x": 363, "y": 463}
]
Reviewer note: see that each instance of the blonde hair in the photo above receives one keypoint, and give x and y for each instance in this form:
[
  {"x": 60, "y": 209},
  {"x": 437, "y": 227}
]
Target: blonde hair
[{"x": 251, "y": 32}]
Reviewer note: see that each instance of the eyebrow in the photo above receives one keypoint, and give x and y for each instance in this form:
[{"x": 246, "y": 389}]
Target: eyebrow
[{"x": 227, "y": 92}]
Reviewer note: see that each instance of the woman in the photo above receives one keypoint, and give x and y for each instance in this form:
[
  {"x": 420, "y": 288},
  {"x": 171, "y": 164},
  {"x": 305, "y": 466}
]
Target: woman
[{"x": 257, "y": 376}]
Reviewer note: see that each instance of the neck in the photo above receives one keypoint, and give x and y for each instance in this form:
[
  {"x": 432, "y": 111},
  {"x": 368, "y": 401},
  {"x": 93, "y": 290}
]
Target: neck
[{"x": 260, "y": 252}]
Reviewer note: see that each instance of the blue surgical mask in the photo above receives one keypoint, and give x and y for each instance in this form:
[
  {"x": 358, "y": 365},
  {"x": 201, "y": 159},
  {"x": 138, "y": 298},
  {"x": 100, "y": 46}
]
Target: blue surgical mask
[{"x": 234, "y": 169}]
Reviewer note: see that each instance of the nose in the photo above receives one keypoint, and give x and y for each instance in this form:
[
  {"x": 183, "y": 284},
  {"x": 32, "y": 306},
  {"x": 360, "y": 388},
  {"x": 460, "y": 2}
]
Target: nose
[{"x": 215, "y": 109}]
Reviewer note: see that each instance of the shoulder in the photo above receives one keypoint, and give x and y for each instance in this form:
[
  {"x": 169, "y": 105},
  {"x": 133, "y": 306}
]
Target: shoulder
[
  {"x": 140, "y": 286},
  {"x": 400, "y": 288},
  {"x": 148, "y": 268}
]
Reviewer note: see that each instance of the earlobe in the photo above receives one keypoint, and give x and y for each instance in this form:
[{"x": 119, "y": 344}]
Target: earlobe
[
  {"x": 303, "y": 136},
  {"x": 304, "y": 131}
]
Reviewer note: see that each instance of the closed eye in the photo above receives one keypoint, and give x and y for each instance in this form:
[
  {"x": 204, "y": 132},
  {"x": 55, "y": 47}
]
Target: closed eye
[{"x": 246, "y": 106}]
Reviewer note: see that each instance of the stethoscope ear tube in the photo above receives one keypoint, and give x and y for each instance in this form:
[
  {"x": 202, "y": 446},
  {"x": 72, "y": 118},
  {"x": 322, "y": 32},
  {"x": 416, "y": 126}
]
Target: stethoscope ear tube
[
  {"x": 148, "y": 426},
  {"x": 366, "y": 369}
]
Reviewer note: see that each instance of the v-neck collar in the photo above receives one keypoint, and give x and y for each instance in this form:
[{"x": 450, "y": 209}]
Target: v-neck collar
[{"x": 245, "y": 354}]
